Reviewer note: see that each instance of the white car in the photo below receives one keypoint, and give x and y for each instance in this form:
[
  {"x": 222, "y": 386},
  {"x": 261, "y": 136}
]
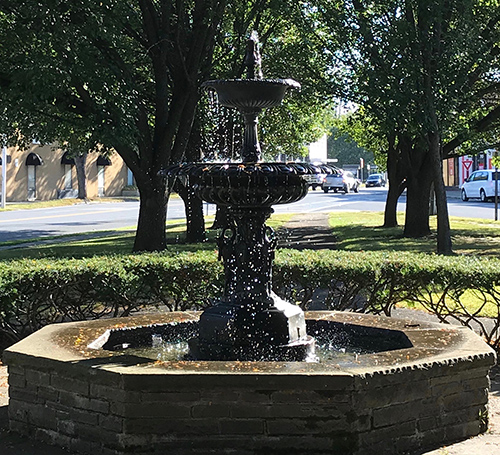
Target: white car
[
  {"x": 480, "y": 184},
  {"x": 341, "y": 181},
  {"x": 315, "y": 180}
]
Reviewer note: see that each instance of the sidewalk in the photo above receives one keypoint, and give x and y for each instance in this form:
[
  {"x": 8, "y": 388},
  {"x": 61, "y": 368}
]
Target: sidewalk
[{"x": 301, "y": 232}]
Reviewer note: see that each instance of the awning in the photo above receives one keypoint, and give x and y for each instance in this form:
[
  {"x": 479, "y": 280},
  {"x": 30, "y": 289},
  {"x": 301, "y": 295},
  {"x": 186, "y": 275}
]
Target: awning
[
  {"x": 33, "y": 160},
  {"x": 103, "y": 161},
  {"x": 67, "y": 160}
]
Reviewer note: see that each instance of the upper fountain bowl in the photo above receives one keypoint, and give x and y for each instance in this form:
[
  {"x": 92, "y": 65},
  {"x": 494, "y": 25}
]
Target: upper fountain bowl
[{"x": 251, "y": 94}]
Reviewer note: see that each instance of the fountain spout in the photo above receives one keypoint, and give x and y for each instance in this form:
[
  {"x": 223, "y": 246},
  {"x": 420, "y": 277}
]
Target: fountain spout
[{"x": 252, "y": 60}]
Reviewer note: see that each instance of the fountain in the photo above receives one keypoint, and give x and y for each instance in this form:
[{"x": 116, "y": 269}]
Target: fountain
[
  {"x": 237, "y": 381},
  {"x": 250, "y": 322}
]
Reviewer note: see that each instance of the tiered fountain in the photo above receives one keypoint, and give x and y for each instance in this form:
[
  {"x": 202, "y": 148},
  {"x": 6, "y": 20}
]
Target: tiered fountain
[
  {"x": 250, "y": 322},
  {"x": 244, "y": 388}
]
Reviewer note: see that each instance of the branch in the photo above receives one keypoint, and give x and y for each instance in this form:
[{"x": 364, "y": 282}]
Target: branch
[{"x": 480, "y": 126}]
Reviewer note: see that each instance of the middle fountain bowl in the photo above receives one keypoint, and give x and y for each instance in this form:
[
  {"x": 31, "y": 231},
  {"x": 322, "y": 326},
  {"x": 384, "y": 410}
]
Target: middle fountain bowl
[{"x": 246, "y": 184}]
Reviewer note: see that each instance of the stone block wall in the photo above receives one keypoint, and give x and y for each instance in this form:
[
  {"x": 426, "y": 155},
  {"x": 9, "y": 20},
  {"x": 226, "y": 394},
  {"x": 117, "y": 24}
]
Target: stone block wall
[{"x": 120, "y": 407}]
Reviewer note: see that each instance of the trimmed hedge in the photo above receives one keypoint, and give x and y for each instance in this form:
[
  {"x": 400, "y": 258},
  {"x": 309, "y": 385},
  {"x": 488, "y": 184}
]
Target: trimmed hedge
[{"x": 34, "y": 293}]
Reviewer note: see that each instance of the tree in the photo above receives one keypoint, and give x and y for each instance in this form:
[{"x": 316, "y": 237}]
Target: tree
[
  {"x": 419, "y": 68},
  {"x": 387, "y": 152},
  {"x": 128, "y": 72},
  {"x": 346, "y": 149}
]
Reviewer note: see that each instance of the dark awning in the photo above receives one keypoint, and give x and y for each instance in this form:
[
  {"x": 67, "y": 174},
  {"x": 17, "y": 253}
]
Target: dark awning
[
  {"x": 103, "y": 161},
  {"x": 33, "y": 160},
  {"x": 9, "y": 159},
  {"x": 67, "y": 160}
]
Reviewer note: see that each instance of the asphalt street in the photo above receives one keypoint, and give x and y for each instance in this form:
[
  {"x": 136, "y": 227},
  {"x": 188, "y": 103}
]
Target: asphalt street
[{"x": 99, "y": 216}]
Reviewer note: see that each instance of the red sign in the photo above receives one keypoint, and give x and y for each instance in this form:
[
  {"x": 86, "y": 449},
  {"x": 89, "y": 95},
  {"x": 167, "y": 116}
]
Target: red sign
[{"x": 466, "y": 168}]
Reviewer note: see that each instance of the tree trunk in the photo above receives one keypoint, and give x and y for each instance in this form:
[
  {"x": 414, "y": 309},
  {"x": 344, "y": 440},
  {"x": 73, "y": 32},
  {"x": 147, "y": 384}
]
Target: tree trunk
[
  {"x": 195, "y": 221},
  {"x": 444, "y": 243},
  {"x": 150, "y": 234},
  {"x": 80, "y": 162},
  {"x": 395, "y": 181},
  {"x": 193, "y": 207},
  {"x": 417, "y": 201},
  {"x": 391, "y": 205}
]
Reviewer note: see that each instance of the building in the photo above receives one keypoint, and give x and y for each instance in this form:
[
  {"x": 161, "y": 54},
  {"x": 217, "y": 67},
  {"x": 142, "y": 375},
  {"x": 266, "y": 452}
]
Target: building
[
  {"x": 457, "y": 169},
  {"x": 318, "y": 150},
  {"x": 46, "y": 172}
]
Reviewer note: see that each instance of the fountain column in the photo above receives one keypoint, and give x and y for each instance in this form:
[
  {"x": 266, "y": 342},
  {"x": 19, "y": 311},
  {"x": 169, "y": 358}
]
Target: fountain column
[{"x": 251, "y": 147}]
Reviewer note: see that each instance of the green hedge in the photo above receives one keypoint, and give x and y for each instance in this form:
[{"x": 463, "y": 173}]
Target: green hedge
[{"x": 34, "y": 293}]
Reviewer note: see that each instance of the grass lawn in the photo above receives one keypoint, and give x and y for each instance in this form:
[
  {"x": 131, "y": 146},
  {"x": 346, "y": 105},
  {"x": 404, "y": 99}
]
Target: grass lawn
[
  {"x": 78, "y": 246},
  {"x": 362, "y": 231},
  {"x": 355, "y": 231}
]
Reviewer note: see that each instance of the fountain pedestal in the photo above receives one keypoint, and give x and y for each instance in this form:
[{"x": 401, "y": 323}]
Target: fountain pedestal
[
  {"x": 251, "y": 322},
  {"x": 244, "y": 332}
]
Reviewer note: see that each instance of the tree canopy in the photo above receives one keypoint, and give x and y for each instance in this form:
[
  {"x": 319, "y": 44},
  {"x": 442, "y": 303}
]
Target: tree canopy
[
  {"x": 422, "y": 70},
  {"x": 346, "y": 146},
  {"x": 128, "y": 73}
]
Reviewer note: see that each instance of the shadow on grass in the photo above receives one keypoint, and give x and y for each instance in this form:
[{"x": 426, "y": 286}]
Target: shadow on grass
[
  {"x": 356, "y": 237},
  {"x": 103, "y": 246}
]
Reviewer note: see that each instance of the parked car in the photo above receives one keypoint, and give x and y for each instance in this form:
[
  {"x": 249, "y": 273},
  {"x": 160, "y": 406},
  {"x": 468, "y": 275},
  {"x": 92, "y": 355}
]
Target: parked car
[
  {"x": 375, "y": 180},
  {"x": 315, "y": 180},
  {"x": 341, "y": 181},
  {"x": 480, "y": 184}
]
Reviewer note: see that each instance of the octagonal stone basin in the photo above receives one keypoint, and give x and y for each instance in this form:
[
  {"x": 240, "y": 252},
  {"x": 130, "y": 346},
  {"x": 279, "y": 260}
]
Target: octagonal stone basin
[{"x": 429, "y": 388}]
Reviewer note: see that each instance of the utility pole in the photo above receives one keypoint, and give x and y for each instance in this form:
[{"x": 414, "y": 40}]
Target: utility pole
[
  {"x": 496, "y": 193},
  {"x": 495, "y": 163},
  {"x": 4, "y": 176}
]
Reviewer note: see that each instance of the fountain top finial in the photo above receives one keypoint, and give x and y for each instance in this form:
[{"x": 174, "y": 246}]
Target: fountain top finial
[{"x": 252, "y": 59}]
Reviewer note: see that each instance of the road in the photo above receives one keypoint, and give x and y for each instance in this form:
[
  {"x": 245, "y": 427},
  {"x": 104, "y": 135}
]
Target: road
[{"x": 35, "y": 223}]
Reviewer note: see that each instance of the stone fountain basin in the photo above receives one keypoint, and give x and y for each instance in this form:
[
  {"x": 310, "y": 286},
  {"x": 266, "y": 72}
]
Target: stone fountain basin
[{"x": 432, "y": 391}]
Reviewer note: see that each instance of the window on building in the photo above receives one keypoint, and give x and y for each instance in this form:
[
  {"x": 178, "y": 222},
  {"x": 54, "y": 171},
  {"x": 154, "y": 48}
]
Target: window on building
[
  {"x": 102, "y": 162},
  {"x": 67, "y": 162},
  {"x": 32, "y": 161}
]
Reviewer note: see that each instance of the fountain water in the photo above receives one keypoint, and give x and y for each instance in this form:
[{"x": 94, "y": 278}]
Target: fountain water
[
  {"x": 250, "y": 322},
  {"x": 408, "y": 384}
]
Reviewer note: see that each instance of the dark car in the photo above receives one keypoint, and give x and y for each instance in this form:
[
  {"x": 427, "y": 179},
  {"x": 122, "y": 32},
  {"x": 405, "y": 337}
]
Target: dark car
[{"x": 375, "y": 180}]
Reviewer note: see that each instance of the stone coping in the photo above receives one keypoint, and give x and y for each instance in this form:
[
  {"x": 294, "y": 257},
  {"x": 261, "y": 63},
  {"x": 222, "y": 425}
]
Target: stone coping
[{"x": 432, "y": 344}]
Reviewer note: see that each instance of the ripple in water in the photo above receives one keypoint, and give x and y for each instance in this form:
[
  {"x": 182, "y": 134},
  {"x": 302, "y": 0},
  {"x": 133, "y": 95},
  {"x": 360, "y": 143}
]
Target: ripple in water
[{"x": 171, "y": 351}]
